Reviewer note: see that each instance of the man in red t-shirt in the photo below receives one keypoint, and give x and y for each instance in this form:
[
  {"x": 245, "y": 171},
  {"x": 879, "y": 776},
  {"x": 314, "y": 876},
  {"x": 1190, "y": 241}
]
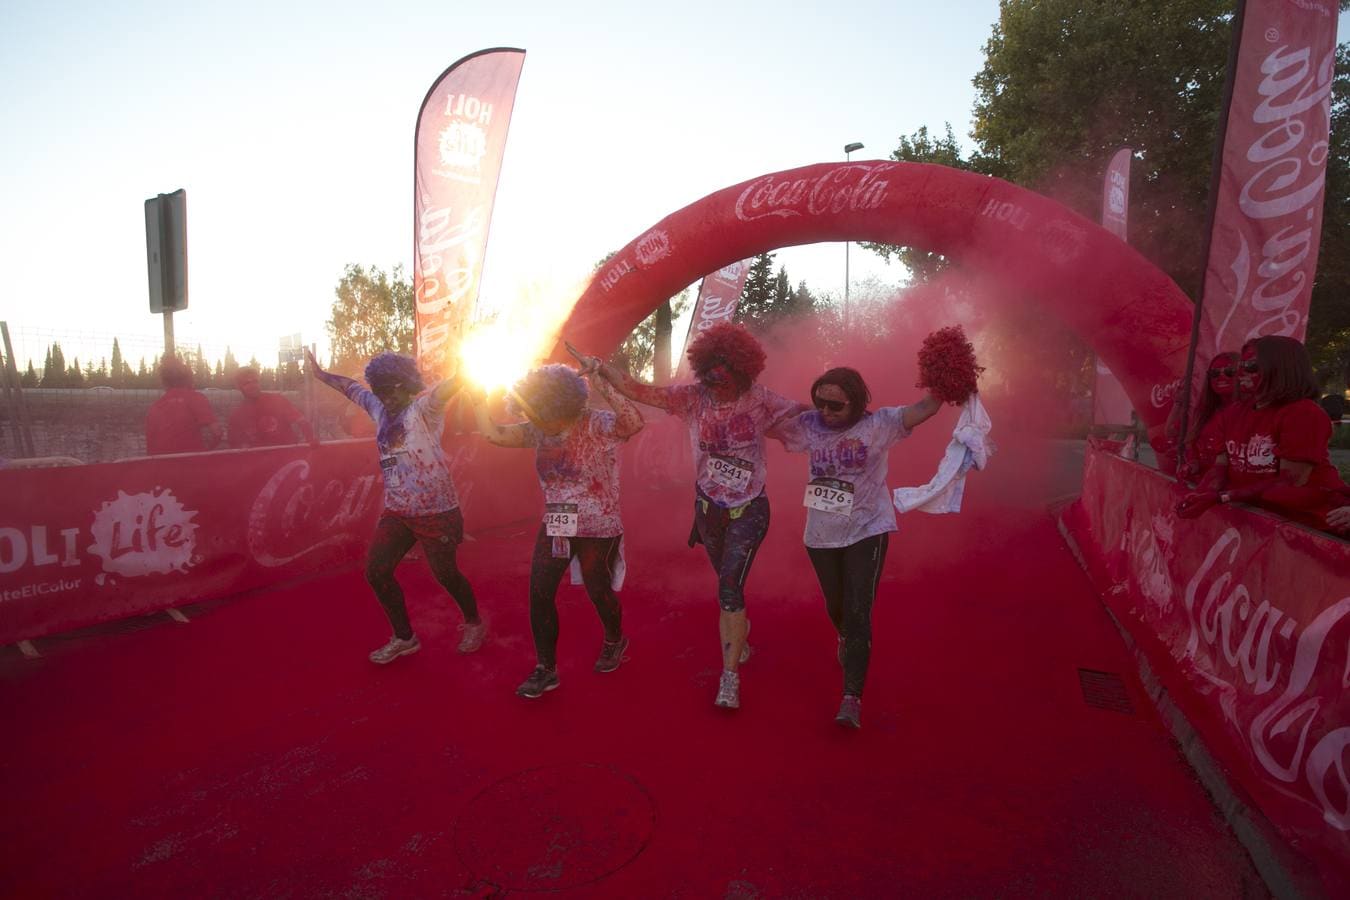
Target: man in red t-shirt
[
  {"x": 264, "y": 419},
  {"x": 181, "y": 420}
]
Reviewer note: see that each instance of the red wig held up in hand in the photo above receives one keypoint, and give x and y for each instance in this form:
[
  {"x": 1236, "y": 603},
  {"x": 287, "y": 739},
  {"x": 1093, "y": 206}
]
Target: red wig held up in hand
[{"x": 730, "y": 346}]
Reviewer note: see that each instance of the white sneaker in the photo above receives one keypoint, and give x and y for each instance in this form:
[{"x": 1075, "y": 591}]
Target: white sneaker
[
  {"x": 729, "y": 691},
  {"x": 473, "y": 636},
  {"x": 394, "y": 649}
]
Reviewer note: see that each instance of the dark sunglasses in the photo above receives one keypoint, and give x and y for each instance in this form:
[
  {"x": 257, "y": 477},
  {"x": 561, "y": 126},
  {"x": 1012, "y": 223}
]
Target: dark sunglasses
[
  {"x": 831, "y": 405},
  {"x": 1250, "y": 365},
  {"x": 1230, "y": 371}
]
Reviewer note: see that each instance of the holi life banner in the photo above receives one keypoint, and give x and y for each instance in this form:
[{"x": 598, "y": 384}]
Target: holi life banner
[
  {"x": 1245, "y": 618},
  {"x": 80, "y": 545},
  {"x": 1268, "y": 210},
  {"x": 458, "y": 146}
]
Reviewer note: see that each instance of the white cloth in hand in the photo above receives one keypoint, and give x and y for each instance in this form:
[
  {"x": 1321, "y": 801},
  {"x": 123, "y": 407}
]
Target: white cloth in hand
[{"x": 970, "y": 448}]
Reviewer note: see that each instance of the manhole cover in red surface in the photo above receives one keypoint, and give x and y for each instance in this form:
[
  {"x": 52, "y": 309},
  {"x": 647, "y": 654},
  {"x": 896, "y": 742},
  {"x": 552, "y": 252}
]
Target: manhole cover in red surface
[{"x": 554, "y": 827}]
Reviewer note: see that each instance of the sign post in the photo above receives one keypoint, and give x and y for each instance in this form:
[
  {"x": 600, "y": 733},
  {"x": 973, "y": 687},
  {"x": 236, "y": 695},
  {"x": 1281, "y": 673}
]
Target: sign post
[{"x": 166, "y": 258}]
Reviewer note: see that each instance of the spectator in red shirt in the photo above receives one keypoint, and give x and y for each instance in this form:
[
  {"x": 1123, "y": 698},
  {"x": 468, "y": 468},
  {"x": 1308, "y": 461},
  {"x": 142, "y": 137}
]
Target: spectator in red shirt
[
  {"x": 180, "y": 421},
  {"x": 264, "y": 419},
  {"x": 1274, "y": 442}
]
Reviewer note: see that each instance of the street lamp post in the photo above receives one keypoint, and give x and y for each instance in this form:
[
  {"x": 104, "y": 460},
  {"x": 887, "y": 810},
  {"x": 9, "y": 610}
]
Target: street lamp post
[{"x": 848, "y": 149}]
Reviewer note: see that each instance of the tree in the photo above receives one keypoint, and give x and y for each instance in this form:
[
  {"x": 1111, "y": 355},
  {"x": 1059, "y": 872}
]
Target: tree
[
  {"x": 372, "y": 313},
  {"x": 74, "y": 376},
  {"x": 637, "y": 353},
  {"x": 30, "y": 377},
  {"x": 1065, "y": 83},
  {"x": 118, "y": 373},
  {"x": 768, "y": 298},
  {"x": 757, "y": 296},
  {"x": 922, "y": 264}
]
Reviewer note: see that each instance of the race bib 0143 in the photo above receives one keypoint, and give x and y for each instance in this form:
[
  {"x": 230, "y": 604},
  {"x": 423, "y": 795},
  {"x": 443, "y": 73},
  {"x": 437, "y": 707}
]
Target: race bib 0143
[
  {"x": 560, "y": 519},
  {"x": 830, "y": 495}
]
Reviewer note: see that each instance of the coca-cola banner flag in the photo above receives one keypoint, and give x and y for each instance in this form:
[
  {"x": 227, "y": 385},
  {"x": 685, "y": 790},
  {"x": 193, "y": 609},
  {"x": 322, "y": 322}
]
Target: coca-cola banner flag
[
  {"x": 457, "y": 158},
  {"x": 718, "y": 298},
  {"x": 1110, "y": 404},
  {"x": 1268, "y": 211},
  {"x": 1245, "y": 618}
]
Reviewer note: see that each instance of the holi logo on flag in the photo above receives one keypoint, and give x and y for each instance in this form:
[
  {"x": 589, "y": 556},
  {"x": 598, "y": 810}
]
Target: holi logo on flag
[{"x": 464, "y": 140}]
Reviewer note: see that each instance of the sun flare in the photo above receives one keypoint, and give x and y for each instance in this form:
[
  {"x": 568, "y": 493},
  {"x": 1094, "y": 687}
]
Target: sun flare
[{"x": 498, "y": 351}]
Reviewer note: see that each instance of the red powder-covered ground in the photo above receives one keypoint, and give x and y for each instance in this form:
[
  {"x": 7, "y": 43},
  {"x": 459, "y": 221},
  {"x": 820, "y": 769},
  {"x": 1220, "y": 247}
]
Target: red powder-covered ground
[{"x": 256, "y": 752}]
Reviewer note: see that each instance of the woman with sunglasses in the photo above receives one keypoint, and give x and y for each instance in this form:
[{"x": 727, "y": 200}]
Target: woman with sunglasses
[
  {"x": 849, "y": 511},
  {"x": 1203, "y": 444},
  {"x": 728, "y": 415},
  {"x": 1274, "y": 442},
  {"x": 576, "y": 457}
]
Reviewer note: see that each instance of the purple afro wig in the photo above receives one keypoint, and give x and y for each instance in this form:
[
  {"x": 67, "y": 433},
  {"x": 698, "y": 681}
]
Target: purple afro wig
[
  {"x": 391, "y": 370},
  {"x": 553, "y": 393}
]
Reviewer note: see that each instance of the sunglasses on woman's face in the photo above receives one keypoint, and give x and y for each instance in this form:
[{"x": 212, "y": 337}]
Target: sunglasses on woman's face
[
  {"x": 1230, "y": 371},
  {"x": 831, "y": 405},
  {"x": 1249, "y": 365}
]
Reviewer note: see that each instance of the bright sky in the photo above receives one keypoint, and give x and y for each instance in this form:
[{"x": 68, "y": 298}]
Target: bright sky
[{"x": 290, "y": 125}]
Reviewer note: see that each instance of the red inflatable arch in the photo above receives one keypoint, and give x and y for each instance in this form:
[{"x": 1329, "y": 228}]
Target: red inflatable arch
[{"x": 1135, "y": 318}]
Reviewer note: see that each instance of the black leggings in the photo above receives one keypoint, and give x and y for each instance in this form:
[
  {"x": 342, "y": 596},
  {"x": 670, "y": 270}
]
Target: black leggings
[
  {"x": 848, "y": 578},
  {"x": 731, "y": 537},
  {"x": 439, "y": 534},
  {"x": 597, "y": 557}
]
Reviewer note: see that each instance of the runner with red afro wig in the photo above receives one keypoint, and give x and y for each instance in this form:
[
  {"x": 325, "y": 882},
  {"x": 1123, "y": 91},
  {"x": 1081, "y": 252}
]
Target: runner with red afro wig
[
  {"x": 728, "y": 415},
  {"x": 727, "y": 345}
]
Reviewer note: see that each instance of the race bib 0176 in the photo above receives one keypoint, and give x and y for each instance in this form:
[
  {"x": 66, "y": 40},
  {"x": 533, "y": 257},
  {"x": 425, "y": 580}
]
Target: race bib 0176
[
  {"x": 830, "y": 495},
  {"x": 560, "y": 519},
  {"x": 730, "y": 471}
]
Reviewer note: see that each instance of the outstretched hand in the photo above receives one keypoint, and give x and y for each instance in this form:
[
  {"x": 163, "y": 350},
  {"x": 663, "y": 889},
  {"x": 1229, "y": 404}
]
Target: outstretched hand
[
  {"x": 1195, "y": 503},
  {"x": 310, "y": 362},
  {"x": 1338, "y": 520}
]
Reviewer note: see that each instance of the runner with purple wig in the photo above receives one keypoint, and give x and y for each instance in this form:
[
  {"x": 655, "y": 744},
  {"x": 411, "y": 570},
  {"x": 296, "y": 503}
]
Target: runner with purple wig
[
  {"x": 576, "y": 456},
  {"x": 420, "y": 503}
]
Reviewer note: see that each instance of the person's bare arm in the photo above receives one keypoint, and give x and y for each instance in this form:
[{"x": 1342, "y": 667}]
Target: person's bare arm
[
  {"x": 338, "y": 383},
  {"x": 628, "y": 420},
  {"x": 633, "y": 389},
  {"x": 920, "y": 412},
  {"x": 501, "y": 435},
  {"x": 442, "y": 393}
]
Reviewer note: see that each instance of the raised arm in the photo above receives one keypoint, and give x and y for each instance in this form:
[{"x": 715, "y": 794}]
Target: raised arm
[
  {"x": 628, "y": 421},
  {"x": 442, "y": 393},
  {"x": 918, "y": 413},
  {"x": 338, "y": 383},
  {"x": 630, "y": 387},
  {"x": 501, "y": 435}
]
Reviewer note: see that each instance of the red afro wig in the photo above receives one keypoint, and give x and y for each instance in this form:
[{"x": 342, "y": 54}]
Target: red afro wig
[{"x": 729, "y": 345}]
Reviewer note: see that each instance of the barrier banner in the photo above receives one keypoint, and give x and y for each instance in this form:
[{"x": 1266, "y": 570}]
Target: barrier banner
[
  {"x": 457, "y": 157},
  {"x": 718, "y": 297},
  {"x": 1268, "y": 210},
  {"x": 1110, "y": 405},
  {"x": 81, "y": 545},
  {"x": 1245, "y": 617}
]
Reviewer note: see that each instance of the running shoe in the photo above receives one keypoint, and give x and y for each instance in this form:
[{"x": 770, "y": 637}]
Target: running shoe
[
  {"x": 394, "y": 649},
  {"x": 541, "y": 679},
  {"x": 611, "y": 655},
  {"x": 850, "y": 712},
  {"x": 729, "y": 691},
  {"x": 473, "y": 635}
]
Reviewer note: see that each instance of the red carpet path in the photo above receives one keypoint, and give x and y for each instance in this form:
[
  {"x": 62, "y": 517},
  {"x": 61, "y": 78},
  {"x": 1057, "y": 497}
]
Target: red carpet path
[{"x": 256, "y": 753}]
